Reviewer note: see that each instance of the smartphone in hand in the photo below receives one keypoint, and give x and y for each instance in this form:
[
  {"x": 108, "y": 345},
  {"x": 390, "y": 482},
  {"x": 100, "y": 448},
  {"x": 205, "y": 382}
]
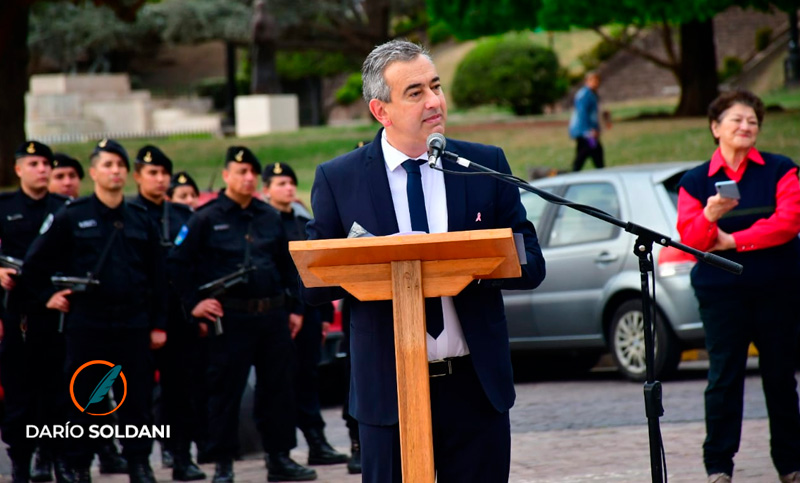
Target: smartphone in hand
[{"x": 728, "y": 189}]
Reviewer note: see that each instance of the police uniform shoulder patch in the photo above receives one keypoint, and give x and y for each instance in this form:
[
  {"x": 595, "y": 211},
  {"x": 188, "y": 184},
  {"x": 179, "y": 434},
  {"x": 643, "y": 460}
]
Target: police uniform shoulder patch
[
  {"x": 181, "y": 235},
  {"x": 46, "y": 224}
]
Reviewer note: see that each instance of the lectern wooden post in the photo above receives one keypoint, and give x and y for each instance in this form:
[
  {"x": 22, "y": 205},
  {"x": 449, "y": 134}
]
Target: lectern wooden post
[{"x": 405, "y": 269}]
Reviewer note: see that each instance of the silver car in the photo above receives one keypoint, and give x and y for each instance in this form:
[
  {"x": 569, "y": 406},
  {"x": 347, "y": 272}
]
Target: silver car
[{"x": 590, "y": 301}]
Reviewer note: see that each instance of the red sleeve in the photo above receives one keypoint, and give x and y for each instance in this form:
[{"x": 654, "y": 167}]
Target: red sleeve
[
  {"x": 693, "y": 226},
  {"x": 779, "y": 228}
]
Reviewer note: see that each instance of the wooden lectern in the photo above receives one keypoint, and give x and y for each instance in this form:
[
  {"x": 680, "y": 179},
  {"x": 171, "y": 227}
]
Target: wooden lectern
[{"x": 406, "y": 269}]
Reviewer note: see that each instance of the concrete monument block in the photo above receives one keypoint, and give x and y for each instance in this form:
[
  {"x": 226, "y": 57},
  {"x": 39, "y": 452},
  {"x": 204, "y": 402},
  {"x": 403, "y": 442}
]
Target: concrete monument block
[
  {"x": 117, "y": 84},
  {"x": 127, "y": 115},
  {"x": 262, "y": 114},
  {"x": 53, "y": 107}
]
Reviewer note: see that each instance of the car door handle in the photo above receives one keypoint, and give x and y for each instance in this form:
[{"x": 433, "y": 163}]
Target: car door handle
[{"x": 606, "y": 257}]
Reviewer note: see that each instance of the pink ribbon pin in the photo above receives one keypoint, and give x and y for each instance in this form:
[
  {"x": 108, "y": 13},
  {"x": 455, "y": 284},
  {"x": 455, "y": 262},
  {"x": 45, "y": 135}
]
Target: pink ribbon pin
[{"x": 479, "y": 217}]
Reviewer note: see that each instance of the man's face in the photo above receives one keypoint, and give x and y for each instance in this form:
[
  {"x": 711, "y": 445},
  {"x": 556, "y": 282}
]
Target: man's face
[
  {"x": 108, "y": 172},
  {"x": 34, "y": 172},
  {"x": 281, "y": 190},
  {"x": 417, "y": 108},
  {"x": 240, "y": 178},
  {"x": 153, "y": 181},
  {"x": 65, "y": 181},
  {"x": 185, "y": 195},
  {"x": 593, "y": 82}
]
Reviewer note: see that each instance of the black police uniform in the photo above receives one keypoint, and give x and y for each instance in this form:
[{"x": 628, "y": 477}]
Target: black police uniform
[
  {"x": 212, "y": 245},
  {"x": 178, "y": 361},
  {"x": 23, "y": 352},
  {"x": 112, "y": 322},
  {"x": 308, "y": 344}
]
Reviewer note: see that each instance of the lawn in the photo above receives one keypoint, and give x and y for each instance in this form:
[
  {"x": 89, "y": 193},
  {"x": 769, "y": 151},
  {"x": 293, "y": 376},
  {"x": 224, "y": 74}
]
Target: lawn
[{"x": 528, "y": 142}]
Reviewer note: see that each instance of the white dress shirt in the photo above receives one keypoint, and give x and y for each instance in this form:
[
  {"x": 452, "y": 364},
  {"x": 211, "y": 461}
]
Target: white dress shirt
[{"x": 451, "y": 342}]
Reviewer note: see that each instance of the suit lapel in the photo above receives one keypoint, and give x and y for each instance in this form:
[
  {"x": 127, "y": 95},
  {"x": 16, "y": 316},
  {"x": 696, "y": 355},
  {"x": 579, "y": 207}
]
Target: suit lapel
[
  {"x": 456, "y": 188},
  {"x": 380, "y": 192}
]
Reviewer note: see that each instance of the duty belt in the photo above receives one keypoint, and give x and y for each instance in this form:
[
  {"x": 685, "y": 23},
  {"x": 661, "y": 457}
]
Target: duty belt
[
  {"x": 450, "y": 365},
  {"x": 253, "y": 306}
]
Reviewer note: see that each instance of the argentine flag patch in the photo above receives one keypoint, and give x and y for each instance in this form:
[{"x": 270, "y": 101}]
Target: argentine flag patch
[{"x": 181, "y": 235}]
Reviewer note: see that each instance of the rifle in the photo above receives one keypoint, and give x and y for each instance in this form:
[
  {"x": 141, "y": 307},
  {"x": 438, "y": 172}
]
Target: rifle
[
  {"x": 218, "y": 287},
  {"x": 76, "y": 285},
  {"x": 10, "y": 262}
]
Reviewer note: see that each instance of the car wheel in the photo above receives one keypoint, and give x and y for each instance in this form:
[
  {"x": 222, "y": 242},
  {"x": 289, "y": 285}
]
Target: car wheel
[{"x": 627, "y": 343}]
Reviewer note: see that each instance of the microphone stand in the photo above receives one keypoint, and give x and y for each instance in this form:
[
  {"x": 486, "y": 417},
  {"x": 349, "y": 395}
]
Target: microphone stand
[{"x": 643, "y": 249}]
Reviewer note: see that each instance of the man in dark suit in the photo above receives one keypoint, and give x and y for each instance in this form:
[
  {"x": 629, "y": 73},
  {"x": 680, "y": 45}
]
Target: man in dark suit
[{"x": 382, "y": 189}]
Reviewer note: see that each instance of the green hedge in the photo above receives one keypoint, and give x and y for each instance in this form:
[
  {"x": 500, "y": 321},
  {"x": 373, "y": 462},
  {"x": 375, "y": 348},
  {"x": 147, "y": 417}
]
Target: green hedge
[{"x": 509, "y": 71}]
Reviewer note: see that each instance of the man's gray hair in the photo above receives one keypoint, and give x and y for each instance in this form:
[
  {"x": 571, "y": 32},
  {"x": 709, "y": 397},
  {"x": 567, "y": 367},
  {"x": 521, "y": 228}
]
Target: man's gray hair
[{"x": 378, "y": 60}]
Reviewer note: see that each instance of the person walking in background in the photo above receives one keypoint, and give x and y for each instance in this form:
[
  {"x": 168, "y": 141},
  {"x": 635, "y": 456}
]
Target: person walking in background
[
  {"x": 584, "y": 125},
  {"x": 757, "y": 229}
]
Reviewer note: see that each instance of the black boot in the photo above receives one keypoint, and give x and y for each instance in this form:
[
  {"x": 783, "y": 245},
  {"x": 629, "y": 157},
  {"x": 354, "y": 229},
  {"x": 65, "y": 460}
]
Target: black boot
[
  {"x": 21, "y": 469},
  {"x": 140, "y": 472},
  {"x": 167, "y": 459},
  {"x": 111, "y": 462},
  {"x": 42, "y": 465},
  {"x": 280, "y": 467},
  {"x": 223, "y": 473},
  {"x": 320, "y": 452},
  {"x": 354, "y": 464},
  {"x": 81, "y": 475},
  {"x": 184, "y": 469},
  {"x": 63, "y": 473}
]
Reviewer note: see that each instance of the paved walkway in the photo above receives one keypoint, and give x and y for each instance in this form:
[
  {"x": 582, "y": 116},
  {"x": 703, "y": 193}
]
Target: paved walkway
[{"x": 618, "y": 455}]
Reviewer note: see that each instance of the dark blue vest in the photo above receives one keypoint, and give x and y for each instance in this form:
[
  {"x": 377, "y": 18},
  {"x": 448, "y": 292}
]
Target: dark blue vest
[{"x": 758, "y": 186}]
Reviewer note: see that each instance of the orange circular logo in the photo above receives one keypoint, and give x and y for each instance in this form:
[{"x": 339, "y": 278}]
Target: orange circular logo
[{"x": 102, "y": 387}]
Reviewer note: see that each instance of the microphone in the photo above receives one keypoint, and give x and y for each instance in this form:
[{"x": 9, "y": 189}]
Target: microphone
[{"x": 436, "y": 143}]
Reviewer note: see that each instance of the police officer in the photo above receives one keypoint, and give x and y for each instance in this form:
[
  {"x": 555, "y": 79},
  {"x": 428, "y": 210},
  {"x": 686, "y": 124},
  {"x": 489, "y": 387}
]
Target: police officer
[
  {"x": 152, "y": 173},
  {"x": 234, "y": 233},
  {"x": 280, "y": 188},
  {"x": 21, "y": 215},
  {"x": 65, "y": 180},
  {"x": 66, "y": 176},
  {"x": 182, "y": 189},
  {"x": 122, "y": 314}
]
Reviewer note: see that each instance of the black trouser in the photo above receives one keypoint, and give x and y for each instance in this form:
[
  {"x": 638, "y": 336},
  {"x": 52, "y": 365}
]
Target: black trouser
[
  {"x": 769, "y": 317},
  {"x": 586, "y": 148},
  {"x": 308, "y": 343},
  {"x": 129, "y": 348},
  {"x": 471, "y": 440},
  {"x": 17, "y": 376},
  {"x": 181, "y": 370},
  {"x": 350, "y": 421},
  {"x": 48, "y": 354},
  {"x": 261, "y": 341}
]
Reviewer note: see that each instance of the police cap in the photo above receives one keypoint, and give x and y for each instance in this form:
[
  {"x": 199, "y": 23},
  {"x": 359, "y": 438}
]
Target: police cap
[
  {"x": 34, "y": 148},
  {"x": 111, "y": 146},
  {"x": 278, "y": 169},
  {"x": 240, "y": 154},
  {"x": 61, "y": 160},
  {"x": 181, "y": 178},
  {"x": 152, "y": 156}
]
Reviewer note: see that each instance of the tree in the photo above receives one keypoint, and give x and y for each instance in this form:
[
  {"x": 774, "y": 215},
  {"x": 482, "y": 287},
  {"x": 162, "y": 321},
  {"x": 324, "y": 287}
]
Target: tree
[
  {"x": 14, "y": 55},
  {"x": 685, "y": 23}
]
